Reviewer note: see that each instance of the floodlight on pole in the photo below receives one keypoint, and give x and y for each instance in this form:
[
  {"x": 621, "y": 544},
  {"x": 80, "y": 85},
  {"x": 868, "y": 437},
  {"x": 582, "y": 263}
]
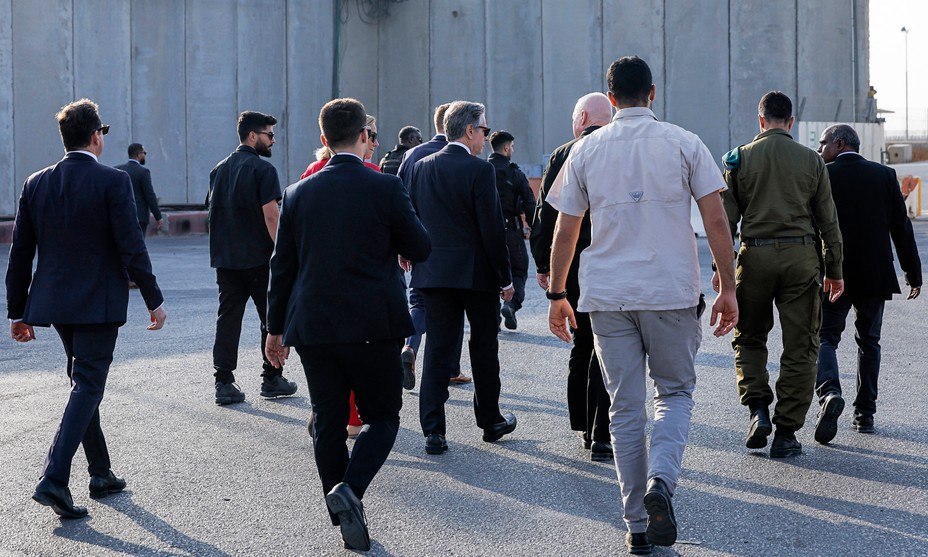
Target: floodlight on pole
[{"x": 906, "y": 31}]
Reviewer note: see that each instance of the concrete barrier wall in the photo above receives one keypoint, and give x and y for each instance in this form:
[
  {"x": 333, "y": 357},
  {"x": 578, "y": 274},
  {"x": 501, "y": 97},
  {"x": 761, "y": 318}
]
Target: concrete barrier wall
[{"x": 174, "y": 74}]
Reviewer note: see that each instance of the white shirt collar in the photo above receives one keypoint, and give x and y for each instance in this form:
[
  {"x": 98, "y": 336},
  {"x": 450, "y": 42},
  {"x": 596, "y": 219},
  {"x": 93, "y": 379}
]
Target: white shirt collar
[
  {"x": 847, "y": 153},
  {"x": 466, "y": 148},
  {"x": 135, "y": 161},
  {"x": 352, "y": 154},
  {"x": 87, "y": 153}
]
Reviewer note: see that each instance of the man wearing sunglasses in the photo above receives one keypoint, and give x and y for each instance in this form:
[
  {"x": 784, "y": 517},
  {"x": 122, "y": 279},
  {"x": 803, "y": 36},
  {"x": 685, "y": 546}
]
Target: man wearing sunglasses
[
  {"x": 243, "y": 194},
  {"x": 454, "y": 193}
]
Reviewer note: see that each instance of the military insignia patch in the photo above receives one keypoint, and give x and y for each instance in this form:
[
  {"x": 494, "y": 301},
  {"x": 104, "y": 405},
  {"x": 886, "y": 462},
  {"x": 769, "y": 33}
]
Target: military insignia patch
[{"x": 636, "y": 195}]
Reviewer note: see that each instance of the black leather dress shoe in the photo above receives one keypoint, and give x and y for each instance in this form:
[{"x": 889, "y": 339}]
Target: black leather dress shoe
[
  {"x": 863, "y": 424},
  {"x": 435, "y": 443},
  {"x": 101, "y": 486},
  {"x": 637, "y": 544},
  {"x": 662, "y": 525},
  {"x": 826, "y": 426},
  {"x": 759, "y": 428},
  {"x": 58, "y": 497},
  {"x": 343, "y": 502},
  {"x": 785, "y": 445},
  {"x": 496, "y": 431},
  {"x": 600, "y": 451}
]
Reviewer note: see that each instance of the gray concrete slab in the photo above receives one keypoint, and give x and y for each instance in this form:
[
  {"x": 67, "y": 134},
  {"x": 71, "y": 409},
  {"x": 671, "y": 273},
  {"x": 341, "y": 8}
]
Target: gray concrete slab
[
  {"x": 240, "y": 480},
  {"x": 636, "y": 27},
  {"x": 457, "y": 72},
  {"x": 8, "y": 185}
]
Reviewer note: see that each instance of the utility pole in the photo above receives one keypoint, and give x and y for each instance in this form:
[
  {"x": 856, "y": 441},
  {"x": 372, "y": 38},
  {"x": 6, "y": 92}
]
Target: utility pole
[{"x": 906, "y": 31}]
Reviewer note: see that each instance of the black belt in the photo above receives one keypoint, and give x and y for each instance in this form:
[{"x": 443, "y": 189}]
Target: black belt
[{"x": 753, "y": 242}]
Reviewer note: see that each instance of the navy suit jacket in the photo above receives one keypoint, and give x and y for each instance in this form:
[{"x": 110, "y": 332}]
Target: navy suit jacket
[
  {"x": 335, "y": 277},
  {"x": 80, "y": 216},
  {"x": 145, "y": 200},
  {"x": 416, "y": 154},
  {"x": 455, "y": 195},
  {"x": 870, "y": 213}
]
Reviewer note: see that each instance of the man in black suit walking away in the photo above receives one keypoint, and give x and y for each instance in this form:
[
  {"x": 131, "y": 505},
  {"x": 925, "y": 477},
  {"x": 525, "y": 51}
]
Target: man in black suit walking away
[
  {"x": 80, "y": 217},
  {"x": 871, "y": 211},
  {"x": 345, "y": 225},
  {"x": 145, "y": 200},
  {"x": 243, "y": 195},
  {"x": 454, "y": 193}
]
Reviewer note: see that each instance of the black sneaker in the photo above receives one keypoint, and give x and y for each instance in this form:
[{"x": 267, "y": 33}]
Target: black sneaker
[
  {"x": 277, "y": 386},
  {"x": 228, "y": 393},
  {"x": 826, "y": 427},
  {"x": 785, "y": 445},
  {"x": 637, "y": 544},
  {"x": 863, "y": 424},
  {"x": 509, "y": 317}
]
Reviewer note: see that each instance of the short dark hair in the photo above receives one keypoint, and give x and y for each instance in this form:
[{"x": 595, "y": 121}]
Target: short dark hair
[
  {"x": 847, "y": 134},
  {"x": 776, "y": 106},
  {"x": 77, "y": 122},
  {"x": 135, "y": 149},
  {"x": 440, "y": 117},
  {"x": 407, "y": 133},
  {"x": 500, "y": 138},
  {"x": 341, "y": 120},
  {"x": 630, "y": 80},
  {"x": 251, "y": 121}
]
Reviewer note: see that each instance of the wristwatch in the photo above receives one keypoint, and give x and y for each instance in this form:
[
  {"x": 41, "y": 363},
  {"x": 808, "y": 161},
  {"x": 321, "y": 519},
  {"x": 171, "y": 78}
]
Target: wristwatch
[{"x": 555, "y": 295}]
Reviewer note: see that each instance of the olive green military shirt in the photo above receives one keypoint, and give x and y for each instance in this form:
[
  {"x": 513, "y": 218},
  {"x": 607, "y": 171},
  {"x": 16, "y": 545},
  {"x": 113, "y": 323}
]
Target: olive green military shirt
[{"x": 778, "y": 188}]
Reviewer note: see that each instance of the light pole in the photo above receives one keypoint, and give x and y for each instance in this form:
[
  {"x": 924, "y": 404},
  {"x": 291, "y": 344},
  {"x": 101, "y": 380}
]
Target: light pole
[{"x": 906, "y": 31}]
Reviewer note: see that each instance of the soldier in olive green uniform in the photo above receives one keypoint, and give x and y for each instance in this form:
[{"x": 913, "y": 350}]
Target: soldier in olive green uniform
[{"x": 779, "y": 191}]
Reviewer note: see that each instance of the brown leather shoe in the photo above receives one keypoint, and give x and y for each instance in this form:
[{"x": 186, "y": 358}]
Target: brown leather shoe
[{"x": 460, "y": 380}]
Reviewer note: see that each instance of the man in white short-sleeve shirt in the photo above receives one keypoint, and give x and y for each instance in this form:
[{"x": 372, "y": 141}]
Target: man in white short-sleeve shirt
[{"x": 639, "y": 280}]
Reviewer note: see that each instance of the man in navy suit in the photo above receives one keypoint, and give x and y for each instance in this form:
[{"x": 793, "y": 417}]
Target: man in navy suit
[
  {"x": 145, "y": 200},
  {"x": 336, "y": 294},
  {"x": 454, "y": 193},
  {"x": 80, "y": 216},
  {"x": 871, "y": 212}
]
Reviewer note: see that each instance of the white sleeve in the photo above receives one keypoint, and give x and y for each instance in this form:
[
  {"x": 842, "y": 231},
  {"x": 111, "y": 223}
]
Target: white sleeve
[{"x": 705, "y": 176}]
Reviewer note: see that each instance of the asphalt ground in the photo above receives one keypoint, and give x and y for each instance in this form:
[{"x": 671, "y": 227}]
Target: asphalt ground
[{"x": 240, "y": 480}]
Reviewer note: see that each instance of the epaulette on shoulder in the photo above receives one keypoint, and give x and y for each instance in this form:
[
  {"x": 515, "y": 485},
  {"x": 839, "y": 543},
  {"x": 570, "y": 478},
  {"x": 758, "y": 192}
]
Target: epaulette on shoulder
[{"x": 732, "y": 159}]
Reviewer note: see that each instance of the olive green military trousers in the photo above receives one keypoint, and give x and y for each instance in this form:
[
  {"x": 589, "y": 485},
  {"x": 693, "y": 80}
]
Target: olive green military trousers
[{"x": 786, "y": 275}]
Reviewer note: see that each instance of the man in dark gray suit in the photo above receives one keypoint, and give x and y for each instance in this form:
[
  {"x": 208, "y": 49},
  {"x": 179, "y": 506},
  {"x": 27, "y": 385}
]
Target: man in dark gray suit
[
  {"x": 78, "y": 215},
  {"x": 145, "y": 200}
]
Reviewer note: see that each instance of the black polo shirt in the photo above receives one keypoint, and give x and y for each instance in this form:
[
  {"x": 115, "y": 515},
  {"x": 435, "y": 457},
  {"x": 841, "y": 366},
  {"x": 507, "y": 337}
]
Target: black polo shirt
[{"x": 239, "y": 187}]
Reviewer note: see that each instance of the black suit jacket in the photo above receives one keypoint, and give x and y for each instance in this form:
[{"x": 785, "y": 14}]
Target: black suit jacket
[
  {"x": 145, "y": 200},
  {"x": 416, "y": 154},
  {"x": 455, "y": 195},
  {"x": 335, "y": 277},
  {"x": 80, "y": 217},
  {"x": 871, "y": 211}
]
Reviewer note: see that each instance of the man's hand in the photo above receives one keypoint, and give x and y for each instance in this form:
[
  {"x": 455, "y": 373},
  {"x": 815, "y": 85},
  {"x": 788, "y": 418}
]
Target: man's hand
[
  {"x": 405, "y": 264},
  {"x": 157, "y": 319},
  {"x": 725, "y": 311},
  {"x": 160, "y": 223},
  {"x": 543, "y": 280},
  {"x": 914, "y": 292},
  {"x": 834, "y": 288},
  {"x": 21, "y": 332},
  {"x": 561, "y": 319},
  {"x": 275, "y": 351},
  {"x": 716, "y": 281},
  {"x": 506, "y": 293}
]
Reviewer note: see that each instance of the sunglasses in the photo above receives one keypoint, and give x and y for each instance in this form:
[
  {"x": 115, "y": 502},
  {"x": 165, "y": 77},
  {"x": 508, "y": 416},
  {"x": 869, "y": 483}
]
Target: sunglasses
[
  {"x": 486, "y": 130},
  {"x": 270, "y": 135},
  {"x": 104, "y": 129}
]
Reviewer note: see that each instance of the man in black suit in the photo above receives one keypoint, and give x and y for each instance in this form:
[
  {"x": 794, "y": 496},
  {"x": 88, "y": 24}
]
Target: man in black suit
[
  {"x": 587, "y": 399},
  {"x": 145, "y": 200},
  {"x": 871, "y": 211},
  {"x": 80, "y": 217},
  {"x": 336, "y": 294},
  {"x": 454, "y": 193},
  {"x": 416, "y": 302}
]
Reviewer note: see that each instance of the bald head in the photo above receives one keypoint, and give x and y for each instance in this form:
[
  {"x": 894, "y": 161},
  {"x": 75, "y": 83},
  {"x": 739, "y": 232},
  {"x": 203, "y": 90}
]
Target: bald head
[{"x": 592, "y": 109}]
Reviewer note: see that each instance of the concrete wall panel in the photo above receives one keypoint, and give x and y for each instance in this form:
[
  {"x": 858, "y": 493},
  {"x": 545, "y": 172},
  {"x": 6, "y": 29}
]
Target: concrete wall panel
[
  {"x": 514, "y": 78},
  {"x": 262, "y": 69},
  {"x": 42, "y": 81},
  {"x": 763, "y": 58},
  {"x": 636, "y": 28},
  {"x": 696, "y": 73},
  {"x": 212, "y": 102},
  {"x": 573, "y": 57},
  {"x": 824, "y": 66},
  {"x": 403, "y": 94},
  {"x": 158, "y": 97},
  {"x": 309, "y": 80},
  {"x": 8, "y": 185},
  {"x": 109, "y": 84},
  {"x": 458, "y": 72},
  {"x": 358, "y": 61}
]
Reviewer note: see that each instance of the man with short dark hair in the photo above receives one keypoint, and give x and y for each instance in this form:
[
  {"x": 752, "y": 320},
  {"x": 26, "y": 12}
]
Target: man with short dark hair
[
  {"x": 79, "y": 216},
  {"x": 409, "y": 137},
  {"x": 454, "y": 193},
  {"x": 871, "y": 212},
  {"x": 345, "y": 225},
  {"x": 780, "y": 193},
  {"x": 639, "y": 281},
  {"x": 145, "y": 200},
  {"x": 516, "y": 199},
  {"x": 243, "y": 195}
]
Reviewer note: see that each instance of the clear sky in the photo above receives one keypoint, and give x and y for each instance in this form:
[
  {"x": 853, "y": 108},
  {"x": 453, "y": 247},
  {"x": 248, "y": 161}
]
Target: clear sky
[{"x": 887, "y": 62}]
